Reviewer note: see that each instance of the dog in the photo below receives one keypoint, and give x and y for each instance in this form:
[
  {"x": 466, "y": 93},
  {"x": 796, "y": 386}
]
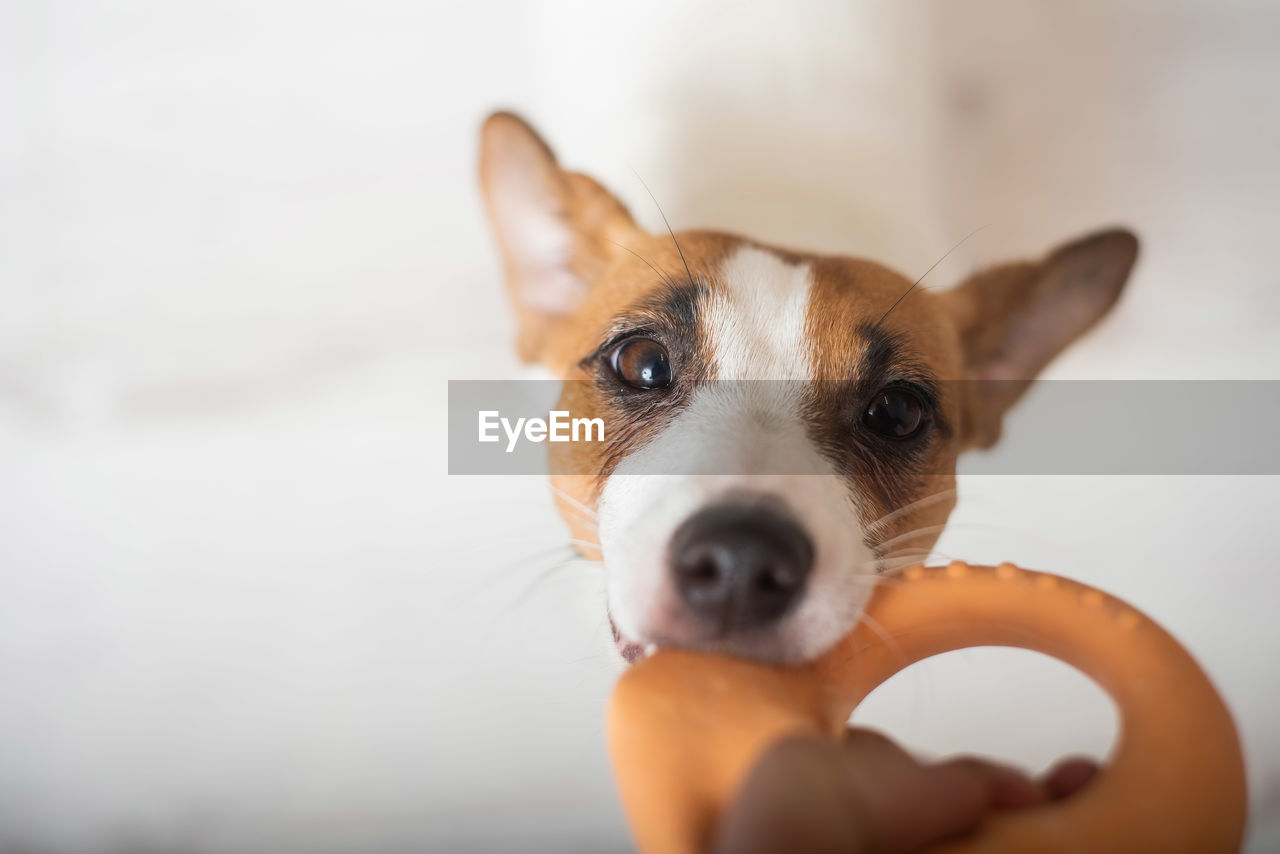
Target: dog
[{"x": 783, "y": 426}]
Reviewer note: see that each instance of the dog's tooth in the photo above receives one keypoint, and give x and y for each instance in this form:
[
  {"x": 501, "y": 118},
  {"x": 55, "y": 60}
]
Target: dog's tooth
[{"x": 650, "y": 649}]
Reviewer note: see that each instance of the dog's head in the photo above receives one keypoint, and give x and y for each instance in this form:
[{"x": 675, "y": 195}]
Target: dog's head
[{"x": 781, "y": 426}]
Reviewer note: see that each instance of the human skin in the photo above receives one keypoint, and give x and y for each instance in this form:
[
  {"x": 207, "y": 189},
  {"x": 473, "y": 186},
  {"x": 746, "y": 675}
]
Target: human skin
[{"x": 867, "y": 795}]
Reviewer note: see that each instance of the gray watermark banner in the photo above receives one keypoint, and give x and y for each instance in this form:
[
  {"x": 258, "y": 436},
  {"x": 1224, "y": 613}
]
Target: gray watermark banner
[{"x": 1059, "y": 427}]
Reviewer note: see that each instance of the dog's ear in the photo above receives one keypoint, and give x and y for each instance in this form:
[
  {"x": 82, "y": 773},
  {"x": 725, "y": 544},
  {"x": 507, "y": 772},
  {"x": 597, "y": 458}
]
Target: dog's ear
[
  {"x": 1013, "y": 319},
  {"x": 556, "y": 229}
]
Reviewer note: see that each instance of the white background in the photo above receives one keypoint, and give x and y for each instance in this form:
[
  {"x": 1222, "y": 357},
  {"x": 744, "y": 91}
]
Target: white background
[{"x": 242, "y": 605}]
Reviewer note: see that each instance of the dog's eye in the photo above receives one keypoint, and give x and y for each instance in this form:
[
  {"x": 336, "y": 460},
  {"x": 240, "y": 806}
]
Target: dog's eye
[
  {"x": 642, "y": 363},
  {"x": 895, "y": 413}
]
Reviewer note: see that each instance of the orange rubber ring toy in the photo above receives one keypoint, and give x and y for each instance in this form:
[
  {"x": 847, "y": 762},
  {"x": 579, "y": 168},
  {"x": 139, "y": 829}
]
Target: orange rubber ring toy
[{"x": 685, "y": 728}]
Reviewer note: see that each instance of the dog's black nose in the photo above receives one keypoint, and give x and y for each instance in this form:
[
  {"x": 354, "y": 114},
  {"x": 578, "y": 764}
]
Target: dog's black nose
[{"x": 740, "y": 566}]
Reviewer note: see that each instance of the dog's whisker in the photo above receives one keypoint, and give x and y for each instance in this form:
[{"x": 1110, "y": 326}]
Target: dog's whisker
[
  {"x": 916, "y": 553},
  {"x": 574, "y": 502},
  {"x": 899, "y": 556},
  {"x": 574, "y": 515},
  {"x": 896, "y": 565},
  {"x": 543, "y": 576},
  {"x": 875, "y": 582},
  {"x": 881, "y": 321},
  {"x": 665, "y": 280},
  {"x": 880, "y": 573},
  {"x": 918, "y": 504},
  {"x": 915, "y": 533},
  {"x": 880, "y": 630},
  {"x": 560, "y": 551},
  {"x": 663, "y": 214}
]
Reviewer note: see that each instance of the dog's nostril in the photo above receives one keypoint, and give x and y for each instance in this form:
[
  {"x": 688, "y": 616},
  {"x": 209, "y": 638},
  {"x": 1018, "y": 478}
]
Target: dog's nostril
[
  {"x": 740, "y": 565},
  {"x": 703, "y": 571},
  {"x": 699, "y": 573},
  {"x": 776, "y": 581}
]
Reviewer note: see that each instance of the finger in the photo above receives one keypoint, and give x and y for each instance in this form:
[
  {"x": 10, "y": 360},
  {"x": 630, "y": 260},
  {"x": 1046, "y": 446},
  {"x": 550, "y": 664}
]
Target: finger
[
  {"x": 874, "y": 747},
  {"x": 1006, "y": 787},
  {"x": 934, "y": 804},
  {"x": 797, "y": 798},
  {"x": 915, "y": 804},
  {"x": 1069, "y": 776}
]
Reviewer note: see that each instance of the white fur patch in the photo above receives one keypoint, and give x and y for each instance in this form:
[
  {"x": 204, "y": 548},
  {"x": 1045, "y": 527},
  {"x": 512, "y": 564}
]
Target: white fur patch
[
  {"x": 754, "y": 324},
  {"x": 740, "y": 433}
]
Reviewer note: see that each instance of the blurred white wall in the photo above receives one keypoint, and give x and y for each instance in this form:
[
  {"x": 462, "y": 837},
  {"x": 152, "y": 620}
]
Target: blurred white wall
[{"x": 242, "y": 606}]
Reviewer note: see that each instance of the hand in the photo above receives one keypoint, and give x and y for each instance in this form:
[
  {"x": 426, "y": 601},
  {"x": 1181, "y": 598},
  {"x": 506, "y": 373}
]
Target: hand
[{"x": 869, "y": 796}]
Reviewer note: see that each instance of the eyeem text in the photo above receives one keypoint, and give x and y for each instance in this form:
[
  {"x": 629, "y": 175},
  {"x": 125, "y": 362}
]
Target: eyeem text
[{"x": 559, "y": 427}]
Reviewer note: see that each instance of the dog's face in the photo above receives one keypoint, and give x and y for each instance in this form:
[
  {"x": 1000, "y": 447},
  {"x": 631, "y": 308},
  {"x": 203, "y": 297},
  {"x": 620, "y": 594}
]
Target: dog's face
[{"x": 780, "y": 426}]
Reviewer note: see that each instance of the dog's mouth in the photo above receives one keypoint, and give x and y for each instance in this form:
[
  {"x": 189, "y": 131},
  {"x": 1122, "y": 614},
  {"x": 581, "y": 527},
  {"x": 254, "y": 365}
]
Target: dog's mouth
[{"x": 630, "y": 650}]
